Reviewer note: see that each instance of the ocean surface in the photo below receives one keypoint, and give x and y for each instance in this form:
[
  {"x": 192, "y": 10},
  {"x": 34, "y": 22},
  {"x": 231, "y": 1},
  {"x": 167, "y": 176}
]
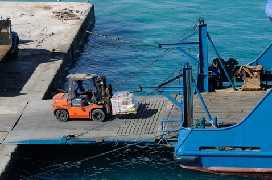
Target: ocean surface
[
  {"x": 102, "y": 162},
  {"x": 124, "y": 47},
  {"x": 124, "y": 44}
]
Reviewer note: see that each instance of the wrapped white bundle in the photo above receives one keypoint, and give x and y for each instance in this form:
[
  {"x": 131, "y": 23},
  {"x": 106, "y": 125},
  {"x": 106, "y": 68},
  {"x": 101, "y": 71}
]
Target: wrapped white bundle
[
  {"x": 268, "y": 9},
  {"x": 123, "y": 103}
]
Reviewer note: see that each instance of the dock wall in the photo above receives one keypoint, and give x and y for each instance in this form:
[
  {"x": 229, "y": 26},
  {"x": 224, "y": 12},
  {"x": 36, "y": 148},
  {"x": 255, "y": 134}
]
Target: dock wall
[{"x": 47, "y": 48}]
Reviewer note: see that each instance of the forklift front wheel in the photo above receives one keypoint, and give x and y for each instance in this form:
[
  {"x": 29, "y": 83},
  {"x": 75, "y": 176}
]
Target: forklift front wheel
[
  {"x": 98, "y": 115},
  {"x": 61, "y": 115}
]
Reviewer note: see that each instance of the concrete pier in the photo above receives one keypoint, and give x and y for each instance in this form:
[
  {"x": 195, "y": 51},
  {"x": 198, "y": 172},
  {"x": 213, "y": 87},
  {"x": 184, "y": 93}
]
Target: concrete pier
[{"x": 50, "y": 34}]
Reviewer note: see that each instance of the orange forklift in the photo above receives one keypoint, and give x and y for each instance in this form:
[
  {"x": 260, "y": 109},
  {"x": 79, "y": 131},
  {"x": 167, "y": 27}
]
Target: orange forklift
[{"x": 88, "y": 97}]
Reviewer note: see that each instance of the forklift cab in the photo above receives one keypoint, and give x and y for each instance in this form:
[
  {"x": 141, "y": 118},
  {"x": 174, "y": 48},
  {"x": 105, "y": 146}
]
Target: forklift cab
[
  {"x": 90, "y": 86},
  {"x": 79, "y": 86}
]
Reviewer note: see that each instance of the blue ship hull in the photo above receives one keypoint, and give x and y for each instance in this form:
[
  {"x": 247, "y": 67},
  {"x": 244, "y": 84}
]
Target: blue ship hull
[
  {"x": 242, "y": 148},
  {"x": 230, "y": 164}
]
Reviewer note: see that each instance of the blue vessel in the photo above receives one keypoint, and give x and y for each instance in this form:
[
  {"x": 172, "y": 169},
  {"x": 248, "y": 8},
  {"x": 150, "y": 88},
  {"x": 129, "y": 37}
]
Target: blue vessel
[
  {"x": 244, "y": 147},
  {"x": 241, "y": 148}
]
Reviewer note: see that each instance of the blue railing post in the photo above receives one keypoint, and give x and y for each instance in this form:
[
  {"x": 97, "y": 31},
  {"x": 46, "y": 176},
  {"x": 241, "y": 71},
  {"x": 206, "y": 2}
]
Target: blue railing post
[{"x": 203, "y": 82}]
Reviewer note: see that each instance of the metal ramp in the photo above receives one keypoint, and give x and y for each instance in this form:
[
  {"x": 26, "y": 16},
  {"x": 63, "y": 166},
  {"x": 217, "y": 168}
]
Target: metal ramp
[
  {"x": 146, "y": 120},
  {"x": 37, "y": 125}
]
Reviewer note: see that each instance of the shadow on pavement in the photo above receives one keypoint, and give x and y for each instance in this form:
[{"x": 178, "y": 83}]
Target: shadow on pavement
[{"x": 14, "y": 73}]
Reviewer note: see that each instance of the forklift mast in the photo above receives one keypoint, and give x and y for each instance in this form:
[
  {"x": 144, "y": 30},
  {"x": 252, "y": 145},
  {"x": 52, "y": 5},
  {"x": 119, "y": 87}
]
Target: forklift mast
[
  {"x": 100, "y": 84},
  {"x": 104, "y": 92}
]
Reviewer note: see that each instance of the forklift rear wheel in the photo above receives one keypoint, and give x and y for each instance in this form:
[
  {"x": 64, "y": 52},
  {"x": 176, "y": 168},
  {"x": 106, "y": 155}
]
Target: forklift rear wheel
[
  {"x": 98, "y": 115},
  {"x": 61, "y": 115}
]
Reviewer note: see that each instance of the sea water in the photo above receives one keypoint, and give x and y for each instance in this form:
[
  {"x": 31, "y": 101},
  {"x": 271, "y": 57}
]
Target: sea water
[
  {"x": 124, "y": 42},
  {"x": 124, "y": 47},
  {"x": 101, "y": 161}
]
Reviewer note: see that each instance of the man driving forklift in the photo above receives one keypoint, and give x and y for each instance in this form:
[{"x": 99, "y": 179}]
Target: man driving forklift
[{"x": 87, "y": 97}]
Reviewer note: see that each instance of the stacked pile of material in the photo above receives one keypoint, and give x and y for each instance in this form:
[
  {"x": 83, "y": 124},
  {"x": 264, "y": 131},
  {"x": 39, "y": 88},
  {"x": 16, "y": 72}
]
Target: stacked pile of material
[
  {"x": 66, "y": 14},
  {"x": 124, "y": 103}
]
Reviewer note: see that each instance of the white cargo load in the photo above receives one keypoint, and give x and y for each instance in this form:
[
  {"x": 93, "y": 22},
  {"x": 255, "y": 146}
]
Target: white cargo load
[{"x": 123, "y": 102}]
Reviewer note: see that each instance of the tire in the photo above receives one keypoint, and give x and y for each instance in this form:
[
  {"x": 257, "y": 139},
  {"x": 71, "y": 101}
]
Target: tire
[
  {"x": 62, "y": 115},
  {"x": 98, "y": 115}
]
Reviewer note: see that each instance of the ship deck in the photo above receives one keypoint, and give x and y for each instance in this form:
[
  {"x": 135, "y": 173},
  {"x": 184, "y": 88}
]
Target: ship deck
[{"x": 229, "y": 106}]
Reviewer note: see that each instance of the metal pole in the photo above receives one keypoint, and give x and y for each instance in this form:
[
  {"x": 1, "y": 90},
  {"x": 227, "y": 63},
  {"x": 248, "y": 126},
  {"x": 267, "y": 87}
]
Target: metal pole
[
  {"x": 188, "y": 96},
  {"x": 221, "y": 64},
  {"x": 203, "y": 81}
]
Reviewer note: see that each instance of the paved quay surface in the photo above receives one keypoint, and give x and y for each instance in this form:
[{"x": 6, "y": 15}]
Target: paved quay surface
[
  {"x": 45, "y": 40},
  {"x": 49, "y": 35},
  {"x": 38, "y": 125}
]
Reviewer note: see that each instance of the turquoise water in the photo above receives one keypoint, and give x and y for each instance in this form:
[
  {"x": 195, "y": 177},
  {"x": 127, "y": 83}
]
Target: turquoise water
[
  {"x": 124, "y": 47},
  {"x": 125, "y": 39}
]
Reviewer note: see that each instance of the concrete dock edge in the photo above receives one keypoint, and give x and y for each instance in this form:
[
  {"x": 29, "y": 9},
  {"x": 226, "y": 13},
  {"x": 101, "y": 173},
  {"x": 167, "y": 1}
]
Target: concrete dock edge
[
  {"x": 78, "y": 41},
  {"x": 38, "y": 86}
]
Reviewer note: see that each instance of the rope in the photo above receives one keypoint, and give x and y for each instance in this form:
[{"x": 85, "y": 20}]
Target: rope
[
  {"x": 155, "y": 90},
  {"x": 192, "y": 30},
  {"x": 74, "y": 164},
  {"x": 157, "y": 58},
  {"x": 188, "y": 35},
  {"x": 132, "y": 44},
  {"x": 204, "y": 105},
  {"x": 220, "y": 62},
  {"x": 166, "y": 52},
  {"x": 175, "y": 73},
  {"x": 116, "y": 38}
]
